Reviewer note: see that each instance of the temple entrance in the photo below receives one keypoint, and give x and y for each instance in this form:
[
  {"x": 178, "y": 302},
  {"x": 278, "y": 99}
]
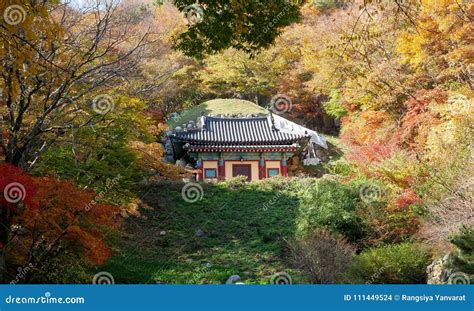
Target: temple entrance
[{"x": 243, "y": 170}]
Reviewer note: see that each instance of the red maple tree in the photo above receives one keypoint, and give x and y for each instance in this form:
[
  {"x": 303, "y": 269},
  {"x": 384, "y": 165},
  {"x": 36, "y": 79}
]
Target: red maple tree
[{"x": 51, "y": 214}]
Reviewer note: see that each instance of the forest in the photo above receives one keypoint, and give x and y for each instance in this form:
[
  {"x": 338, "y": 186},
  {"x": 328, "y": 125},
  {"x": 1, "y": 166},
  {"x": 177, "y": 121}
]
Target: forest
[{"x": 87, "y": 92}]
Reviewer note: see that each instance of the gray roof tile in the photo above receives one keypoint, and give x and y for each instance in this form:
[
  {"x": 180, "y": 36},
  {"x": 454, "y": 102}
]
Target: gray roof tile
[{"x": 256, "y": 130}]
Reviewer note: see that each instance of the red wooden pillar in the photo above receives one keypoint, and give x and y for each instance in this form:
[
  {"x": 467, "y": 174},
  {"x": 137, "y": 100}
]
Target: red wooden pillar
[
  {"x": 263, "y": 169},
  {"x": 221, "y": 169},
  {"x": 200, "y": 170},
  {"x": 283, "y": 167}
]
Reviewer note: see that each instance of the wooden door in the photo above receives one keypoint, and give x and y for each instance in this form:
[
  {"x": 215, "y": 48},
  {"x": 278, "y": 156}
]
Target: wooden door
[{"x": 243, "y": 170}]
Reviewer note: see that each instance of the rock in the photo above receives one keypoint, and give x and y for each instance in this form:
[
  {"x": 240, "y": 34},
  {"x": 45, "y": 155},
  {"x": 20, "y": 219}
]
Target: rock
[
  {"x": 144, "y": 182},
  {"x": 199, "y": 233},
  {"x": 295, "y": 160},
  {"x": 181, "y": 163},
  {"x": 232, "y": 279},
  {"x": 207, "y": 264},
  {"x": 162, "y": 232},
  {"x": 247, "y": 273},
  {"x": 438, "y": 272},
  {"x": 153, "y": 172},
  {"x": 293, "y": 168}
]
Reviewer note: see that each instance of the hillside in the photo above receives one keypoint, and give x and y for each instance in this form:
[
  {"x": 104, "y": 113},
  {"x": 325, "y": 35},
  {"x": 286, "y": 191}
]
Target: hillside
[
  {"x": 219, "y": 106},
  {"x": 235, "y": 228}
]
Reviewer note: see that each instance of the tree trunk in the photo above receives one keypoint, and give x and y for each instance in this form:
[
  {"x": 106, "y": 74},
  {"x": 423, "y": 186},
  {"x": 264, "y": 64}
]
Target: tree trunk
[{"x": 4, "y": 231}]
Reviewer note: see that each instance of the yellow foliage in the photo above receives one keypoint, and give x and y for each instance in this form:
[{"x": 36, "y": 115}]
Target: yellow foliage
[
  {"x": 150, "y": 157},
  {"x": 454, "y": 135},
  {"x": 442, "y": 35}
]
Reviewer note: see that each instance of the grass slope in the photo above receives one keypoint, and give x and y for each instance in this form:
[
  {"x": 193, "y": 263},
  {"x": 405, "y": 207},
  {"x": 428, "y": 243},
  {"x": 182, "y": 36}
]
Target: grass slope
[
  {"x": 246, "y": 228},
  {"x": 241, "y": 236},
  {"x": 219, "y": 106}
]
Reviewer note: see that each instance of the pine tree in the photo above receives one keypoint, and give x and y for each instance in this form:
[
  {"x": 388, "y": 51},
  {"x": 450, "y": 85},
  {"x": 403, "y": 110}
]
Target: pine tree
[{"x": 463, "y": 256}]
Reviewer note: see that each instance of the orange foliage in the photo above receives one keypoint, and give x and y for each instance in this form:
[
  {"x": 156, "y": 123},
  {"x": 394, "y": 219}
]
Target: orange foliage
[
  {"x": 406, "y": 199},
  {"x": 67, "y": 217},
  {"x": 419, "y": 119},
  {"x": 367, "y": 127}
]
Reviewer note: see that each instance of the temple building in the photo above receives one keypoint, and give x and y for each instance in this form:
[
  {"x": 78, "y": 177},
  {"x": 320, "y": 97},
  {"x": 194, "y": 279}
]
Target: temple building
[{"x": 257, "y": 147}]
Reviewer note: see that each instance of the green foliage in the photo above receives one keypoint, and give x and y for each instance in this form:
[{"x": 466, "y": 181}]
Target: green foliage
[
  {"x": 332, "y": 204},
  {"x": 244, "y": 225},
  {"x": 328, "y": 4},
  {"x": 462, "y": 258},
  {"x": 246, "y": 228},
  {"x": 339, "y": 167},
  {"x": 111, "y": 170},
  {"x": 334, "y": 106},
  {"x": 392, "y": 264},
  {"x": 244, "y": 25},
  {"x": 236, "y": 71},
  {"x": 93, "y": 156},
  {"x": 64, "y": 268}
]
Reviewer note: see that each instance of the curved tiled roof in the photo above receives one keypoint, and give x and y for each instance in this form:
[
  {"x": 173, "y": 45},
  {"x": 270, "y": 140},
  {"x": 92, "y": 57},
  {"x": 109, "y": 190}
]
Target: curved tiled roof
[
  {"x": 256, "y": 130},
  {"x": 243, "y": 148}
]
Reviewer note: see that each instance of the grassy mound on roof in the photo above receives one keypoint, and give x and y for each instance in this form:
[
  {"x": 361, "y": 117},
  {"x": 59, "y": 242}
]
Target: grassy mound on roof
[{"x": 219, "y": 106}]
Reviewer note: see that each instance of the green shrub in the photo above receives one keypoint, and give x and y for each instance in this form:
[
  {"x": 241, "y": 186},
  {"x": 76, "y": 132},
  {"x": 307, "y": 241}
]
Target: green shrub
[
  {"x": 114, "y": 163},
  {"x": 328, "y": 4},
  {"x": 392, "y": 264},
  {"x": 64, "y": 268},
  {"x": 333, "y": 205},
  {"x": 333, "y": 107},
  {"x": 462, "y": 258}
]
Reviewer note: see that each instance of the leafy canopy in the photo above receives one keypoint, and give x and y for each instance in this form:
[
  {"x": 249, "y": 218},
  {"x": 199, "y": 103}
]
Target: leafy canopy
[{"x": 244, "y": 25}]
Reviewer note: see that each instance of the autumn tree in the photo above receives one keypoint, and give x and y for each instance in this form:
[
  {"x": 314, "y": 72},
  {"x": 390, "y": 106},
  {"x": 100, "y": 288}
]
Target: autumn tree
[
  {"x": 17, "y": 194},
  {"x": 68, "y": 219},
  {"x": 41, "y": 216},
  {"x": 53, "y": 59}
]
